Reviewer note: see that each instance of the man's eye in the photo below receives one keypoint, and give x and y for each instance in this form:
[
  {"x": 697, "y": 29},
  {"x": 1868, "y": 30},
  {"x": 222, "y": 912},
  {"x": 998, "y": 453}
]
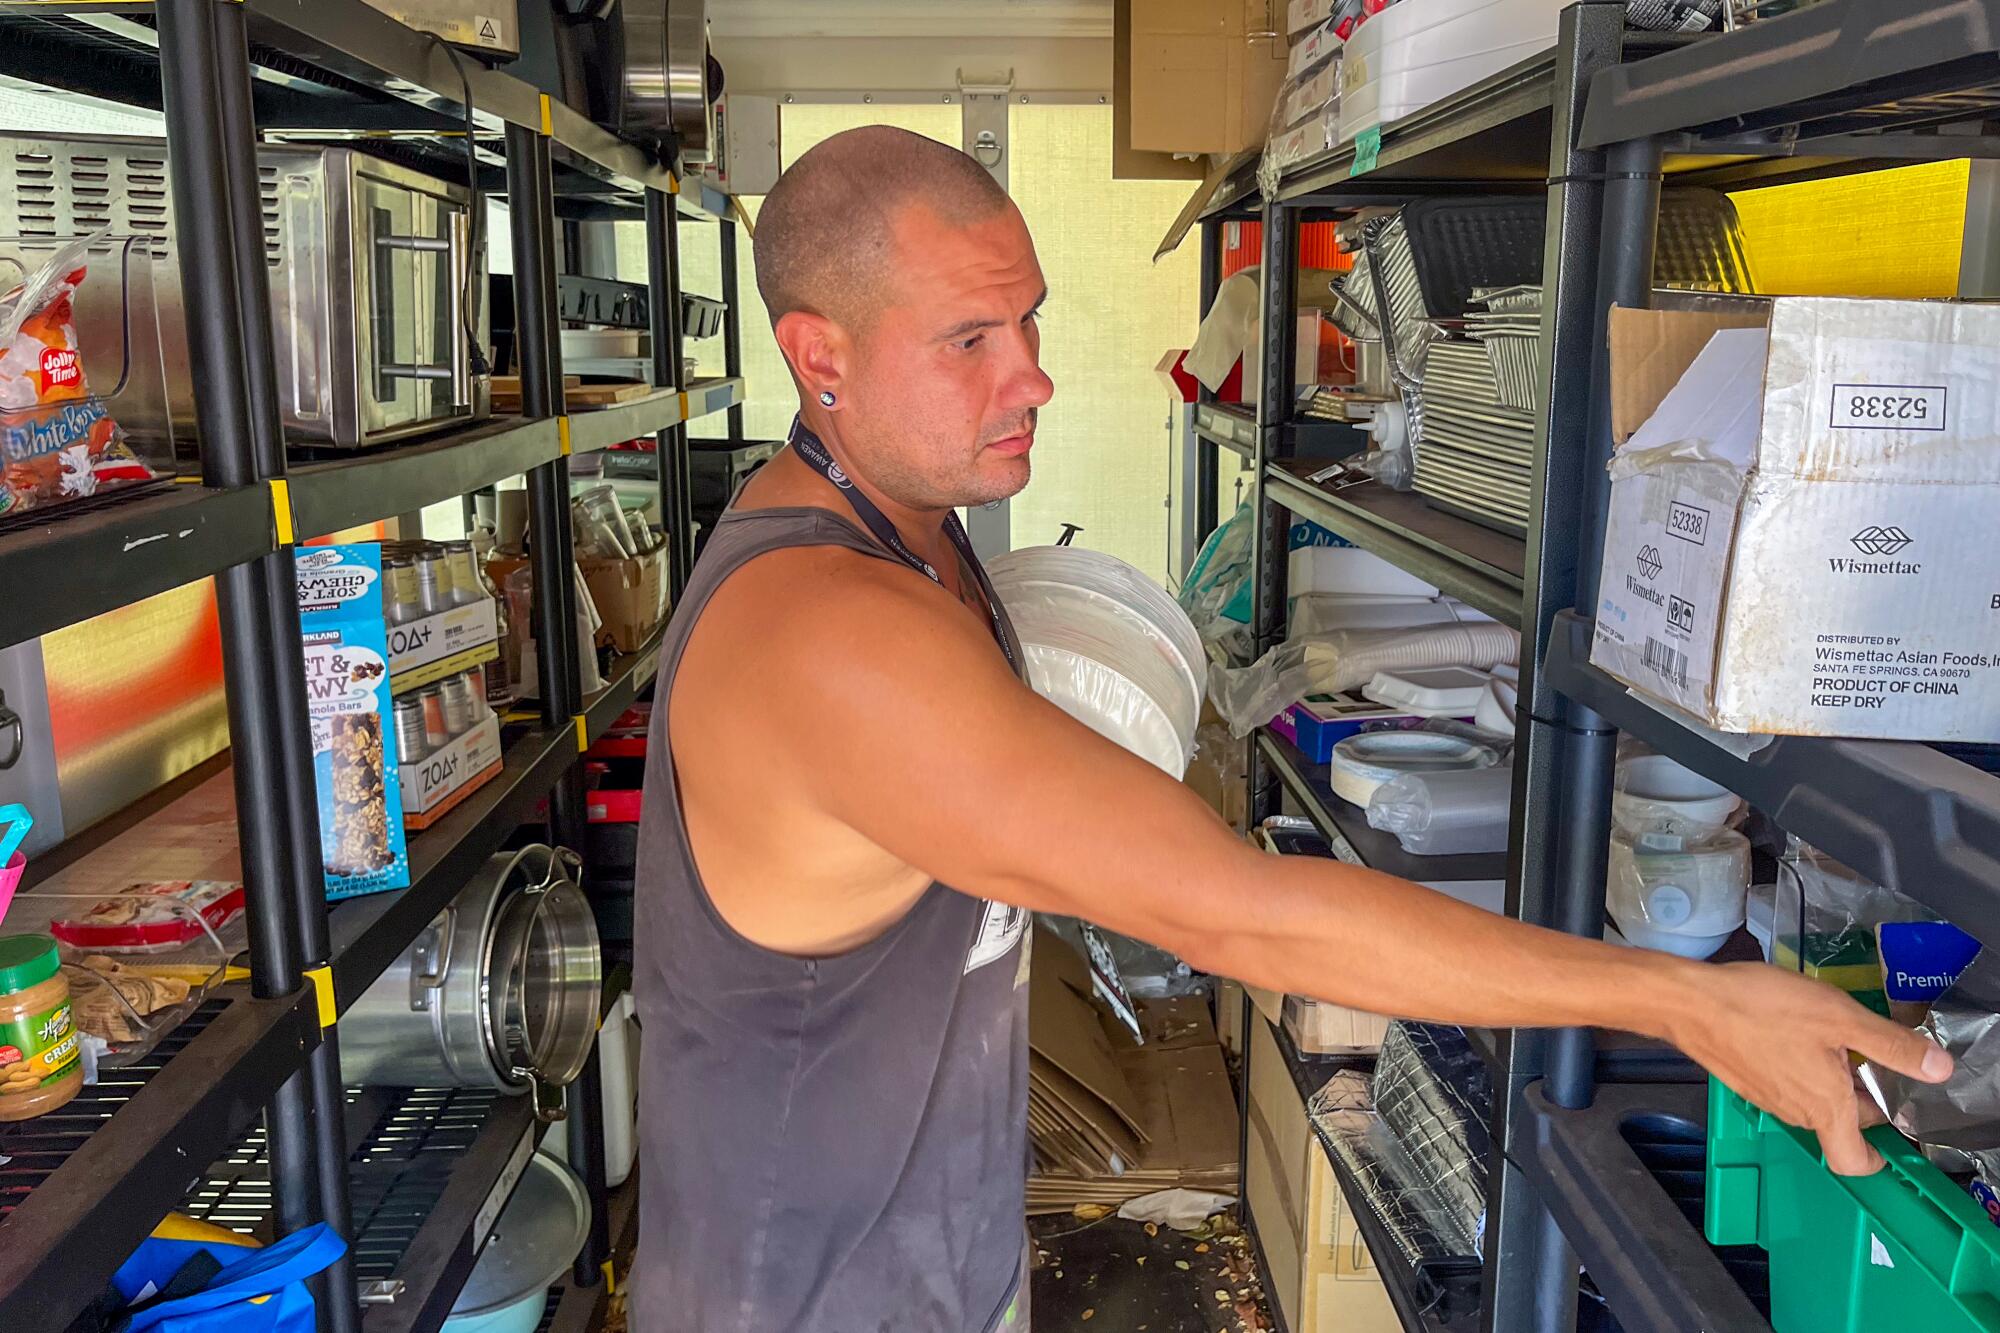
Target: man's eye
[{"x": 968, "y": 344}]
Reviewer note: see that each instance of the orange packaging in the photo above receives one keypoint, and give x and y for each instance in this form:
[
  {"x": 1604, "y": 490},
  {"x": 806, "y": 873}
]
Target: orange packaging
[{"x": 58, "y": 442}]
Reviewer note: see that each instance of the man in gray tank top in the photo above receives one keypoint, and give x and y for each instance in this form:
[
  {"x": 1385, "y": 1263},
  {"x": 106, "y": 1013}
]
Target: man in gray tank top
[{"x": 853, "y": 802}]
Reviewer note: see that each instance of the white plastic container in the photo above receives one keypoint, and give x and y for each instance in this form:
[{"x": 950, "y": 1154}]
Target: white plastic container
[
  {"x": 1498, "y": 708},
  {"x": 1108, "y": 646},
  {"x": 1446, "y": 691},
  {"x": 1422, "y": 51}
]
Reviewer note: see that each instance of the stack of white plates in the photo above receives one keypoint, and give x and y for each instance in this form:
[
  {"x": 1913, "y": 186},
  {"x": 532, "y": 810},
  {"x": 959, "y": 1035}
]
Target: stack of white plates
[{"x": 1108, "y": 646}]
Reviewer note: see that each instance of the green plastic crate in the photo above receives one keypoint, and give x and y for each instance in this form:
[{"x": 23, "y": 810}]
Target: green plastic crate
[{"x": 1902, "y": 1251}]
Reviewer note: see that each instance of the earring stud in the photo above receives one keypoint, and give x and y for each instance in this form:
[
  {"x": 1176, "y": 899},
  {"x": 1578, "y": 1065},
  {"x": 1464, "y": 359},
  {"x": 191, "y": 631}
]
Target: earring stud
[{"x": 826, "y": 397}]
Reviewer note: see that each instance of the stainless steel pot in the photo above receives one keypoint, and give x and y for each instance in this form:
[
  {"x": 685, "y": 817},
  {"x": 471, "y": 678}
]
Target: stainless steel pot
[
  {"x": 501, "y": 990},
  {"x": 667, "y": 93}
]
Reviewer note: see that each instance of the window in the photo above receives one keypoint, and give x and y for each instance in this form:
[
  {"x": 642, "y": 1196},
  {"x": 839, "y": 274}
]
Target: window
[{"x": 1103, "y": 453}]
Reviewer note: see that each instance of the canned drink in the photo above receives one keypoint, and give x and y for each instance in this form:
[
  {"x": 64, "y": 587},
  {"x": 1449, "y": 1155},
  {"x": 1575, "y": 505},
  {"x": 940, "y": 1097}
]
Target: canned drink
[
  {"x": 436, "y": 734},
  {"x": 433, "y": 583},
  {"x": 475, "y": 677},
  {"x": 468, "y": 585},
  {"x": 399, "y": 596},
  {"x": 412, "y": 743},
  {"x": 459, "y": 712}
]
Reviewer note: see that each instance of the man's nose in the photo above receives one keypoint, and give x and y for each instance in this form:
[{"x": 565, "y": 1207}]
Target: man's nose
[{"x": 1029, "y": 385}]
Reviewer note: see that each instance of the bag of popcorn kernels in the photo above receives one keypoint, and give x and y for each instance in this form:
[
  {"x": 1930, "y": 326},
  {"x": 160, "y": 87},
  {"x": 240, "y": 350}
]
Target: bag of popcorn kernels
[{"x": 58, "y": 441}]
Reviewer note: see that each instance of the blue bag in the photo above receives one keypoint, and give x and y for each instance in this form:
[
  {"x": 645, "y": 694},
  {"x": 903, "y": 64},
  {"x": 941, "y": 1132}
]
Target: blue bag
[{"x": 231, "y": 1303}]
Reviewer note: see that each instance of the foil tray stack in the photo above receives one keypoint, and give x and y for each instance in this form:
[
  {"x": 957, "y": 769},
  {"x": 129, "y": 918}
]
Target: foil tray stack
[{"x": 1476, "y": 451}]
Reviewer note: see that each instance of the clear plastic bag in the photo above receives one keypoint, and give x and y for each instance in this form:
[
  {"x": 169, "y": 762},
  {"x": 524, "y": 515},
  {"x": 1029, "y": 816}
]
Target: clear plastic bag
[
  {"x": 1824, "y": 920},
  {"x": 1445, "y": 814},
  {"x": 1687, "y": 900},
  {"x": 1305, "y": 115},
  {"x": 1251, "y": 696},
  {"x": 1216, "y": 592},
  {"x": 1425, "y": 1149},
  {"x": 59, "y": 439}
]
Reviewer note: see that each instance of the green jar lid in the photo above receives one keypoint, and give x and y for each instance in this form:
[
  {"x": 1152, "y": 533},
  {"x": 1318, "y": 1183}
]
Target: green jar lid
[{"x": 27, "y": 960}]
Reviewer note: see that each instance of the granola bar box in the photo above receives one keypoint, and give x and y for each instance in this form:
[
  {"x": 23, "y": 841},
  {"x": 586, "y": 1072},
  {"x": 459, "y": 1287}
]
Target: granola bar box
[{"x": 354, "y": 736}]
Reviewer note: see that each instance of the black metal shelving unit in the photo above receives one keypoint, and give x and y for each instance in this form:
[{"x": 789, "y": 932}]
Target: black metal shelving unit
[
  {"x": 251, "y": 1082},
  {"x": 1595, "y": 1132}
]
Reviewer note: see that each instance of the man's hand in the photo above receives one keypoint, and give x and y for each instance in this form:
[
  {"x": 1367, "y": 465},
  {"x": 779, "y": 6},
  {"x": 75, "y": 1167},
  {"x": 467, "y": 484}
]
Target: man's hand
[{"x": 1782, "y": 1041}]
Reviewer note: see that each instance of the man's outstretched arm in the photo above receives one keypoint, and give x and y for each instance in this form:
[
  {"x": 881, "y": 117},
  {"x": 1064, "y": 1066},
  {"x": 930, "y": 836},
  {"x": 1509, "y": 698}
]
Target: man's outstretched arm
[{"x": 909, "y": 729}]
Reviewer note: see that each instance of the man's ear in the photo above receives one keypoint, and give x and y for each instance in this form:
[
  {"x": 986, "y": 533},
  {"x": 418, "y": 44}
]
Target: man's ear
[{"x": 817, "y": 349}]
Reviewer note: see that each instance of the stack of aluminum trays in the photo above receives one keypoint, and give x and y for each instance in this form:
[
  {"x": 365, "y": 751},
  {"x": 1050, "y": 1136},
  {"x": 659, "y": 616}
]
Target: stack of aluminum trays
[{"x": 1477, "y": 445}]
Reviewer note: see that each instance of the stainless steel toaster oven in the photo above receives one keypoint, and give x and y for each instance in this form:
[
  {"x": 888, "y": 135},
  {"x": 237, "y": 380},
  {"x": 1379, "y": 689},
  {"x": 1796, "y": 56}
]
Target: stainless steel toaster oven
[{"x": 377, "y": 298}]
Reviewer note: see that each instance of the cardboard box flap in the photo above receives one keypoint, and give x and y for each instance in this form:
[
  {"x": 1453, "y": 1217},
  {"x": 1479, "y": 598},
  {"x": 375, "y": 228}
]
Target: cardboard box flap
[
  {"x": 1190, "y": 212},
  {"x": 1063, "y": 1029},
  {"x": 1712, "y": 413},
  {"x": 1652, "y": 349}
]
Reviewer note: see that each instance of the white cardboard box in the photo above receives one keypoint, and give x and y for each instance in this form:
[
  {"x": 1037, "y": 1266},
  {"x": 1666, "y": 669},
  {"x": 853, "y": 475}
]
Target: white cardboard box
[
  {"x": 1320, "y": 1274},
  {"x": 1802, "y": 532},
  {"x": 425, "y": 651},
  {"x": 440, "y": 780}
]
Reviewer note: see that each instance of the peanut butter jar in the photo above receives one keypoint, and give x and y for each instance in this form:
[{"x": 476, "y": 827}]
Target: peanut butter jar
[{"x": 41, "y": 1064}]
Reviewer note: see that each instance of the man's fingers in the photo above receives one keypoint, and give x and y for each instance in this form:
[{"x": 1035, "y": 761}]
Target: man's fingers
[
  {"x": 1847, "y": 1153},
  {"x": 1869, "y": 1110},
  {"x": 1896, "y": 1047}
]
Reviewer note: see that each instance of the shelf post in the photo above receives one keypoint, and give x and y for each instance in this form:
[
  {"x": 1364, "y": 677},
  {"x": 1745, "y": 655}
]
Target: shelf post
[
  {"x": 205, "y": 92},
  {"x": 663, "y": 281},
  {"x": 732, "y": 321},
  {"x": 538, "y": 347},
  {"x": 1563, "y": 754},
  {"x": 318, "y": 1123},
  {"x": 1207, "y": 473}
]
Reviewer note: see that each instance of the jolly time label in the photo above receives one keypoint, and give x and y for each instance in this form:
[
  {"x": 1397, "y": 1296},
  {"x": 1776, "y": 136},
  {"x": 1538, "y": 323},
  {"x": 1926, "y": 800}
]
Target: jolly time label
[{"x": 36, "y": 1049}]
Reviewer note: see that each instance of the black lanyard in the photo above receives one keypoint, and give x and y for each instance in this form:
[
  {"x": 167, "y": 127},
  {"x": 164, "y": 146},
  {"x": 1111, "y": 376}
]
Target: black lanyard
[{"x": 809, "y": 447}]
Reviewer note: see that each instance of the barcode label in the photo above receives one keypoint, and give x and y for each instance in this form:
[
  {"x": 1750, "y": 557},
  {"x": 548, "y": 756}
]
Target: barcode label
[{"x": 1667, "y": 661}]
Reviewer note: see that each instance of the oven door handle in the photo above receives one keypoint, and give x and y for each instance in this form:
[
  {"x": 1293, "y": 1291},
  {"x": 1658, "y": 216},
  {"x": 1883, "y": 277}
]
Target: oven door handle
[{"x": 458, "y": 259}]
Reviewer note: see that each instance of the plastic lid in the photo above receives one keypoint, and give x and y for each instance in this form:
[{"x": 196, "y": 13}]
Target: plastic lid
[
  {"x": 537, "y": 1236},
  {"x": 27, "y": 960},
  {"x": 1430, "y": 691}
]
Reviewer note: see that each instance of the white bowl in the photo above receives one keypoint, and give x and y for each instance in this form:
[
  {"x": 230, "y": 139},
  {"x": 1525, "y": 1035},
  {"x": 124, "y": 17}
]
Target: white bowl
[{"x": 1664, "y": 802}]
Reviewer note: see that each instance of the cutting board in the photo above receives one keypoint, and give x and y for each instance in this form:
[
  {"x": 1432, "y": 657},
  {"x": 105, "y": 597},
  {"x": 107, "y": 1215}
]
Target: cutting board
[{"x": 604, "y": 395}]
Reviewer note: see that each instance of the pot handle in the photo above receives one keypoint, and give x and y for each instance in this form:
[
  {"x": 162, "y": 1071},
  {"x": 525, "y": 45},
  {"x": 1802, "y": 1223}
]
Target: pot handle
[
  {"x": 548, "y": 1097},
  {"x": 423, "y": 980},
  {"x": 565, "y": 867}
]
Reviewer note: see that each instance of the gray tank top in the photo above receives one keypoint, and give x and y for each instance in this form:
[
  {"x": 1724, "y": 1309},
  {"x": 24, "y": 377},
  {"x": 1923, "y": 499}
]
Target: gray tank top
[{"x": 832, "y": 1145}]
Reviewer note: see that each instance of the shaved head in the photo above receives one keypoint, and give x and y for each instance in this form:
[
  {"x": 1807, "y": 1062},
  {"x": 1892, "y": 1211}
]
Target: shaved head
[
  {"x": 826, "y": 233},
  {"x": 904, "y": 293}
]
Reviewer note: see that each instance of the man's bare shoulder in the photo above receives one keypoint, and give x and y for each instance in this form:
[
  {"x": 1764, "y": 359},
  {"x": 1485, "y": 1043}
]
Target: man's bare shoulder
[{"x": 810, "y": 618}]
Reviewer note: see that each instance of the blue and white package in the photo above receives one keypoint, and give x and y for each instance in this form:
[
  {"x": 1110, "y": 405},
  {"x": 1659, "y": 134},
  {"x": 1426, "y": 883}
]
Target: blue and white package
[
  {"x": 1921, "y": 960},
  {"x": 354, "y": 739}
]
